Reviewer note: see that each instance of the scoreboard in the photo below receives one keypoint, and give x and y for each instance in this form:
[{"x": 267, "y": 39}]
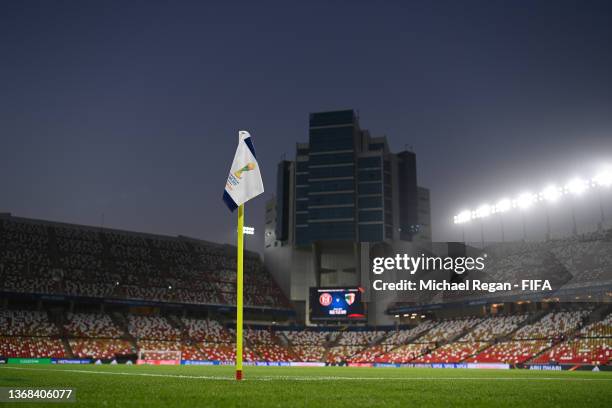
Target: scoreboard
[{"x": 336, "y": 304}]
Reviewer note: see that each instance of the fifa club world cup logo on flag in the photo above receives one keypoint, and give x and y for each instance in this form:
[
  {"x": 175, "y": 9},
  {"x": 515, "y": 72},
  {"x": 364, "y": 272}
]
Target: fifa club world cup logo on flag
[
  {"x": 248, "y": 167},
  {"x": 244, "y": 178}
]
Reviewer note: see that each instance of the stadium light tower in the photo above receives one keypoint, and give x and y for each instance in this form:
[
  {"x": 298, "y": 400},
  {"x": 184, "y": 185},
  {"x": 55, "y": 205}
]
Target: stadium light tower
[
  {"x": 462, "y": 218},
  {"x": 501, "y": 207},
  {"x": 576, "y": 187},
  {"x": 523, "y": 202},
  {"x": 483, "y": 212},
  {"x": 603, "y": 179},
  {"x": 550, "y": 194}
]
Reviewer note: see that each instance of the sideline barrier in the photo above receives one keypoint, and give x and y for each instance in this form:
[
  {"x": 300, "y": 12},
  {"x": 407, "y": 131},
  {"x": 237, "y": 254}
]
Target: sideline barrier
[
  {"x": 71, "y": 361},
  {"x": 19, "y": 360},
  {"x": 489, "y": 366},
  {"x": 306, "y": 364},
  {"x": 545, "y": 367},
  {"x": 158, "y": 362},
  {"x": 482, "y": 366}
]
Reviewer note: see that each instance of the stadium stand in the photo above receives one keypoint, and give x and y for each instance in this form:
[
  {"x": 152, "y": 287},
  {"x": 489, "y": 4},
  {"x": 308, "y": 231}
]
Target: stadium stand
[
  {"x": 494, "y": 327},
  {"x": 554, "y": 325},
  {"x": 405, "y": 353},
  {"x": 511, "y": 352},
  {"x": 91, "y": 325},
  {"x": 152, "y": 328},
  {"x": 51, "y": 258},
  {"x": 448, "y": 329},
  {"x": 452, "y": 352},
  {"x": 100, "y": 348},
  {"x": 147, "y": 272}
]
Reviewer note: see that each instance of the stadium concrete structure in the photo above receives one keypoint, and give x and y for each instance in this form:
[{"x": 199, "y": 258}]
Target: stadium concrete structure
[{"x": 344, "y": 198}]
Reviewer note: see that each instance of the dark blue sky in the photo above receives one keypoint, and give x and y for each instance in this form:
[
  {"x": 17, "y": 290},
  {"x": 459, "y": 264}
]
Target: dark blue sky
[{"x": 132, "y": 109}]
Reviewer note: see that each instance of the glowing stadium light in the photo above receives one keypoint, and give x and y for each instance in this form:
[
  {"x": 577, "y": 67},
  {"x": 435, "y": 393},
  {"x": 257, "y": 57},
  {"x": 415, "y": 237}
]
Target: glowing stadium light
[
  {"x": 525, "y": 200},
  {"x": 463, "y": 216},
  {"x": 503, "y": 205},
  {"x": 551, "y": 193},
  {"x": 483, "y": 211},
  {"x": 577, "y": 186},
  {"x": 603, "y": 178}
]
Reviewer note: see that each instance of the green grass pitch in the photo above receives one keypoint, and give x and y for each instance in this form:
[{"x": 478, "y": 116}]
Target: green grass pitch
[{"x": 329, "y": 387}]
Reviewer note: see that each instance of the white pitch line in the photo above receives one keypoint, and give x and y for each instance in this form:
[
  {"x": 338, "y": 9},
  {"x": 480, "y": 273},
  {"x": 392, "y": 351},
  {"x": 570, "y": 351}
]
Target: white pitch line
[
  {"x": 201, "y": 377},
  {"x": 304, "y": 378}
]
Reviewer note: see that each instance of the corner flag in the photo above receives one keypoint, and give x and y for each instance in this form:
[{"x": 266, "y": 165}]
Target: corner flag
[
  {"x": 243, "y": 183},
  {"x": 244, "y": 180}
]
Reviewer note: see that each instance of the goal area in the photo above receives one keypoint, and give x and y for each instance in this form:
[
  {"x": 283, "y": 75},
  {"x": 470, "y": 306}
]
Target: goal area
[{"x": 159, "y": 357}]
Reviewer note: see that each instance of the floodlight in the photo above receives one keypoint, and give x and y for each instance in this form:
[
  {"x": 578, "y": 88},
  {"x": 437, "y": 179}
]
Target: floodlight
[
  {"x": 464, "y": 216},
  {"x": 603, "y": 178},
  {"x": 503, "y": 205},
  {"x": 577, "y": 186},
  {"x": 551, "y": 193},
  {"x": 525, "y": 200},
  {"x": 483, "y": 211}
]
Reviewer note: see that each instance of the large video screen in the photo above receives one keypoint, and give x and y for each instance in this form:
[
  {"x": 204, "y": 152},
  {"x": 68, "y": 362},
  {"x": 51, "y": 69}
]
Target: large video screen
[{"x": 336, "y": 304}]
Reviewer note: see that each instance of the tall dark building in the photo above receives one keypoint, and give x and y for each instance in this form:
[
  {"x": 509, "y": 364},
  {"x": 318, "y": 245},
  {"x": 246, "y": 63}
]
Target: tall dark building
[{"x": 344, "y": 192}]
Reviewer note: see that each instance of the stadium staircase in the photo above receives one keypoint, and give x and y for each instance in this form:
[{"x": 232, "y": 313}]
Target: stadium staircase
[
  {"x": 121, "y": 322},
  {"x": 67, "y": 348},
  {"x": 177, "y": 323},
  {"x": 285, "y": 342},
  {"x": 456, "y": 337},
  {"x": 107, "y": 259},
  {"x": 156, "y": 256},
  {"x": 569, "y": 335},
  {"x": 53, "y": 249},
  {"x": 58, "y": 318}
]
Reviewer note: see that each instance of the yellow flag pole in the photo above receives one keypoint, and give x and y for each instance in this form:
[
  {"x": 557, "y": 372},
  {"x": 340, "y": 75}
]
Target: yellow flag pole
[{"x": 239, "y": 277}]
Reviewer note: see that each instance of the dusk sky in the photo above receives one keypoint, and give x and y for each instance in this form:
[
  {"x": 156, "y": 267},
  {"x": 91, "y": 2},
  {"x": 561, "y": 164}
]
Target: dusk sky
[{"x": 131, "y": 109}]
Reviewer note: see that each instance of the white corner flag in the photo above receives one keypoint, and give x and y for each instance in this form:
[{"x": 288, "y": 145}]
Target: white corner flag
[{"x": 244, "y": 181}]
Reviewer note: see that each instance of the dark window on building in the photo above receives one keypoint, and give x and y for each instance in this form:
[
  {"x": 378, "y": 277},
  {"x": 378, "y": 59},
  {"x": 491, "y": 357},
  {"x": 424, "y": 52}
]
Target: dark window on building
[
  {"x": 336, "y": 185},
  {"x": 370, "y": 188},
  {"x": 337, "y": 158},
  {"x": 331, "y": 213},
  {"x": 370, "y": 202},
  {"x": 332, "y": 118},
  {"x": 301, "y": 166},
  {"x": 371, "y": 233},
  {"x": 283, "y": 184},
  {"x": 331, "y": 199},
  {"x": 408, "y": 201},
  {"x": 332, "y": 230},
  {"x": 369, "y": 175},
  {"x": 368, "y": 162},
  {"x": 366, "y": 216},
  {"x": 329, "y": 172}
]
